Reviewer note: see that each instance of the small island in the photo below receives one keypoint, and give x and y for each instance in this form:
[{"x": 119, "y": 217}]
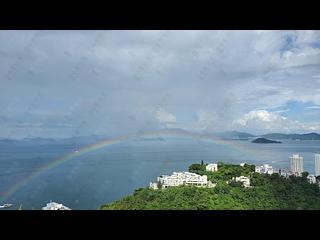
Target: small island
[{"x": 264, "y": 140}]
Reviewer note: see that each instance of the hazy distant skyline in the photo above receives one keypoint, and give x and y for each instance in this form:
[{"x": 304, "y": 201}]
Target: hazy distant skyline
[{"x": 76, "y": 83}]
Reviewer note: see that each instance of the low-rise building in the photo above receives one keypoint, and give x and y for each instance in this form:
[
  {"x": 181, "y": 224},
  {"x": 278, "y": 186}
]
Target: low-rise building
[
  {"x": 212, "y": 167},
  {"x": 312, "y": 178},
  {"x": 244, "y": 180},
  {"x": 153, "y": 185},
  {"x": 181, "y": 178},
  {"x": 55, "y": 206},
  {"x": 290, "y": 173},
  {"x": 265, "y": 169},
  {"x": 284, "y": 173}
]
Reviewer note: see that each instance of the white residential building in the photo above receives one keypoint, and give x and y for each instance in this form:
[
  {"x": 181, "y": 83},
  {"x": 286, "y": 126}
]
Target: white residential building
[
  {"x": 284, "y": 173},
  {"x": 212, "y": 167},
  {"x": 289, "y": 173},
  {"x": 153, "y": 185},
  {"x": 55, "y": 206},
  {"x": 265, "y": 169},
  {"x": 245, "y": 180},
  {"x": 242, "y": 164},
  {"x": 181, "y": 178},
  {"x": 312, "y": 179},
  {"x": 317, "y": 164},
  {"x": 296, "y": 164}
]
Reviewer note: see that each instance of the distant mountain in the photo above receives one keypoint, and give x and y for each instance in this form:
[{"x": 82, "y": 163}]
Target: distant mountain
[
  {"x": 150, "y": 139},
  {"x": 85, "y": 139},
  {"x": 264, "y": 140},
  {"x": 306, "y": 136},
  {"x": 228, "y": 135},
  {"x": 77, "y": 141},
  {"x": 39, "y": 139},
  {"x": 6, "y": 140},
  {"x": 235, "y": 135},
  {"x": 28, "y": 140}
]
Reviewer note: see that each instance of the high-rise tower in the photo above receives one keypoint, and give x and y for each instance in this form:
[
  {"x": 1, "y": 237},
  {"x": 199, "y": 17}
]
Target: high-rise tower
[
  {"x": 317, "y": 164},
  {"x": 296, "y": 164}
]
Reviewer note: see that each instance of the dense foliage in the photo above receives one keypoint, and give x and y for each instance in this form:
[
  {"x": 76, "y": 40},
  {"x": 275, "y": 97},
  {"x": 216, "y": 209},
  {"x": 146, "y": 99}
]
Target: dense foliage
[
  {"x": 225, "y": 171},
  {"x": 268, "y": 192}
]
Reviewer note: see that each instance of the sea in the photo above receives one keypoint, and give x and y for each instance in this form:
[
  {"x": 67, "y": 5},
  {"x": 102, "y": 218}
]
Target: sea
[{"x": 108, "y": 173}]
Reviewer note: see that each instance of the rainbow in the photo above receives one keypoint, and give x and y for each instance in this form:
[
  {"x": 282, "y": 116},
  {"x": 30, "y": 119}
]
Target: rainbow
[{"x": 109, "y": 142}]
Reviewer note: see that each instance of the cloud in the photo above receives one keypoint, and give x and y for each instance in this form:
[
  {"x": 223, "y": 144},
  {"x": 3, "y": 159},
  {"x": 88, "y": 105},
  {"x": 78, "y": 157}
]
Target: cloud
[
  {"x": 262, "y": 121},
  {"x": 282, "y": 111},
  {"x": 206, "y": 119},
  {"x": 115, "y": 82},
  {"x": 164, "y": 117}
]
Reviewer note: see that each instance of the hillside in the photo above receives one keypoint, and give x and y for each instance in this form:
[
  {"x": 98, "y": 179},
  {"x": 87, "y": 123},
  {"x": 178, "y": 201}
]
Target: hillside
[
  {"x": 268, "y": 192},
  {"x": 280, "y": 136}
]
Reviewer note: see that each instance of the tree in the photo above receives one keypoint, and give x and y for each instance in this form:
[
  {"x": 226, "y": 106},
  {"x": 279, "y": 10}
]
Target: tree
[
  {"x": 268, "y": 192},
  {"x": 304, "y": 174},
  {"x": 235, "y": 184},
  {"x": 220, "y": 163},
  {"x": 275, "y": 176},
  {"x": 197, "y": 167},
  {"x": 201, "y": 162}
]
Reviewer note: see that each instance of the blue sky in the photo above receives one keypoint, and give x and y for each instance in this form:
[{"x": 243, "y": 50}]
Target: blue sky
[{"x": 74, "y": 83}]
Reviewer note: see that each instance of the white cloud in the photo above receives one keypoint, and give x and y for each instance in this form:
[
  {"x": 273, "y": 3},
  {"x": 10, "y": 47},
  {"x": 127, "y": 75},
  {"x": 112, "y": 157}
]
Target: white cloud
[
  {"x": 297, "y": 57},
  {"x": 204, "y": 121},
  {"x": 164, "y": 117},
  {"x": 260, "y": 116},
  {"x": 262, "y": 121}
]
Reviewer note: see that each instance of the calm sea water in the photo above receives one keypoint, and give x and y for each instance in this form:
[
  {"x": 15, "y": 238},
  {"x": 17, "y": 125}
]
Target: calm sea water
[{"x": 107, "y": 174}]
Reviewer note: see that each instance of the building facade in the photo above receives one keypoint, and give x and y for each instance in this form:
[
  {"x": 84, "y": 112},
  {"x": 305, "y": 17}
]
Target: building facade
[
  {"x": 312, "y": 179},
  {"x": 285, "y": 173},
  {"x": 264, "y": 169},
  {"x": 296, "y": 164},
  {"x": 317, "y": 164},
  {"x": 244, "y": 180},
  {"x": 181, "y": 178},
  {"x": 55, "y": 206},
  {"x": 212, "y": 167}
]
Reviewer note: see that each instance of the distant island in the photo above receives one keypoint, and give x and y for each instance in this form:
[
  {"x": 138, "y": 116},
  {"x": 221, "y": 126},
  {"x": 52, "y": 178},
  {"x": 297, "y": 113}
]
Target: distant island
[
  {"x": 263, "y": 192},
  {"x": 235, "y": 135},
  {"x": 264, "y": 140}
]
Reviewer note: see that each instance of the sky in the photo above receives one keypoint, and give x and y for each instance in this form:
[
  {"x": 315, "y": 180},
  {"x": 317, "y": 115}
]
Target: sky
[{"x": 58, "y": 84}]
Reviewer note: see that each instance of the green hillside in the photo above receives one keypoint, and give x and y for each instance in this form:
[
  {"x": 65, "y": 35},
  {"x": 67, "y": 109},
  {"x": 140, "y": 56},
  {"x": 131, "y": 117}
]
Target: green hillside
[{"x": 267, "y": 192}]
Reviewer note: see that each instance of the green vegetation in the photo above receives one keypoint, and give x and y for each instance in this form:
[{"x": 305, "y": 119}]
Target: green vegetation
[
  {"x": 268, "y": 192},
  {"x": 225, "y": 172}
]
